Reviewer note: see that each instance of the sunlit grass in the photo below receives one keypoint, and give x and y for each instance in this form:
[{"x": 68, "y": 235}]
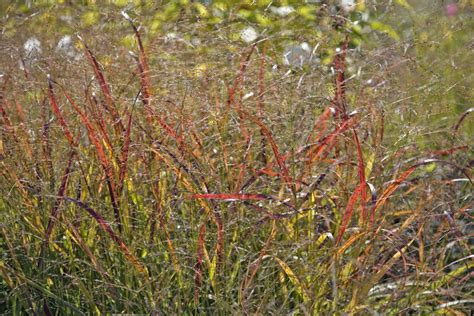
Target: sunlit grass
[{"x": 132, "y": 183}]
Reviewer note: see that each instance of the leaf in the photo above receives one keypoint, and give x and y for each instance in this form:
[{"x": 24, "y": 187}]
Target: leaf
[
  {"x": 90, "y": 18},
  {"x": 57, "y": 204},
  {"x": 109, "y": 102},
  {"x": 361, "y": 172},
  {"x": 349, "y": 242},
  {"x": 57, "y": 113},
  {"x": 463, "y": 116},
  {"x": 404, "y": 3},
  {"x": 106, "y": 227},
  {"x": 293, "y": 279},
  {"x": 369, "y": 164},
  {"x": 198, "y": 266},
  {"x": 202, "y": 10},
  {"x": 212, "y": 272},
  {"x": 348, "y": 213},
  {"x": 430, "y": 167},
  {"x": 385, "y": 28},
  {"x": 102, "y": 157},
  {"x": 308, "y": 12}
]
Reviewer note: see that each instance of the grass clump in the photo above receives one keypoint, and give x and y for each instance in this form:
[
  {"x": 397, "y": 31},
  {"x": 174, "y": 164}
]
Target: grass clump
[{"x": 163, "y": 175}]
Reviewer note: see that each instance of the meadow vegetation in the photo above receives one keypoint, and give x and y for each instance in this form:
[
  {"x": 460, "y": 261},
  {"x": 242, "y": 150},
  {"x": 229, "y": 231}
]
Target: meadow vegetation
[{"x": 236, "y": 157}]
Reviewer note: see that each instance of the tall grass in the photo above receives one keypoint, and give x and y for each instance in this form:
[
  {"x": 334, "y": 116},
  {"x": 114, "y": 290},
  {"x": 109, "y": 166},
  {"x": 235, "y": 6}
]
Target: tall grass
[{"x": 208, "y": 199}]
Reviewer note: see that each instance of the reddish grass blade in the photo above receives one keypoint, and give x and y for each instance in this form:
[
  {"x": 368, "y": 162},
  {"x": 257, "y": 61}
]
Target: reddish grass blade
[
  {"x": 361, "y": 172},
  {"x": 110, "y": 104},
  {"x": 449, "y": 151},
  {"x": 237, "y": 88},
  {"x": 103, "y": 159},
  {"x": 268, "y": 170},
  {"x": 279, "y": 158},
  {"x": 6, "y": 119},
  {"x": 57, "y": 204},
  {"x": 198, "y": 267},
  {"x": 339, "y": 100},
  {"x": 243, "y": 167},
  {"x": 397, "y": 182},
  {"x": 392, "y": 187},
  {"x": 327, "y": 143},
  {"x": 19, "y": 109},
  {"x": 320, "y": 125},
  {"x": 348, "y": 213},
  {"x": 230, "y": 196},
  {"x": 169, "y": 130},
  {"x": 3, "y": 106},
  {"x": 57, "y": 113},
  {"x": 260, "y": 101},
  {"x": 239, "y": 78},
  {"x": 461, "y": 119},
  {"x": 99, "y": 118},
  {"x": 106, "y": 227},
  {"x": 142, "y": 63},
  {"x": 3, "y": 111}
]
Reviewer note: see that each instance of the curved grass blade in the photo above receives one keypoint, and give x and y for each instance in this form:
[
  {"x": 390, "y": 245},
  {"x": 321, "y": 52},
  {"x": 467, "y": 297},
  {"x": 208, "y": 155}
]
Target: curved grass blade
[
  {"x": 348, "y": 213},
  {"x": 328, "y": 142},
  {"x": 102, "y": 157},
  {"x": 294, "y": 279},
  {"x": 461, "y": 119},
  {"x": 99, "y": 118},
  {"x": 397, "y": 182},
  {"x": 110, "y": 104},
  {"x": 106, "y": 227},
  {"x": 142, "y": 63},
  {"x": 279, "y": 158},
  {"x": 57, "y": 113},
  {"x": 238, "y": 79},
  {"x": 62, "y": 189}
]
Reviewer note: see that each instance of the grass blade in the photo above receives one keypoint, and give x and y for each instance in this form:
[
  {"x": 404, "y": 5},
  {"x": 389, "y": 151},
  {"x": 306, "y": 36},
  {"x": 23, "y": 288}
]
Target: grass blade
[
  {"x": 461, "y": 119},
  {"x": 348, "y": 213},
  {"x": 293, "y": 278},
  {"x": 106, "y": 227},
  {"x": 109, "y": 101},
  {"x": 142, "y": 63},
  {"x": 339, "y": 100},
  {"x": 57, "y": 113},
  {"x": 102, "y": 157},
  {"x": 361, "y": 172},
  {"x": 231, "y": 196},
  {"x": 62, "y": 189},
  {"x": 124, "y": 155},
  {"x": 198, "y": 266}
]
